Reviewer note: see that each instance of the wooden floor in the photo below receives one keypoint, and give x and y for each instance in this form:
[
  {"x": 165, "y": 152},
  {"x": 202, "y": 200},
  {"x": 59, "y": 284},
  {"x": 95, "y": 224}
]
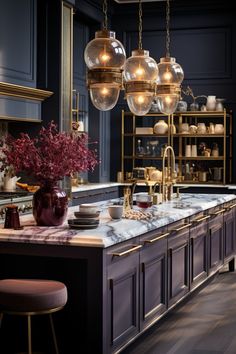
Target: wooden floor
[{"x": 206, "y": 324}]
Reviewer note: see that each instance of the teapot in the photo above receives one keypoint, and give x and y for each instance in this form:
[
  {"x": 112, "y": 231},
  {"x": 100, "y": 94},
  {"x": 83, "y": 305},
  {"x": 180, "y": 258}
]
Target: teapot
[{"x": 9, "y": 183}]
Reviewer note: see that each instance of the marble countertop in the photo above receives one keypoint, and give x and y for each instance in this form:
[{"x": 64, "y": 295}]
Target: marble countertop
[
  {"x": 91, "y": 186},
  {"x": 111, "y": 232}
]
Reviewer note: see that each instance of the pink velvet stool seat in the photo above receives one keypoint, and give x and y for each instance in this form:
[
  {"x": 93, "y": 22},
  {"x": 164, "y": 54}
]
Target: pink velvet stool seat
[{"x": 29, "y": 297}]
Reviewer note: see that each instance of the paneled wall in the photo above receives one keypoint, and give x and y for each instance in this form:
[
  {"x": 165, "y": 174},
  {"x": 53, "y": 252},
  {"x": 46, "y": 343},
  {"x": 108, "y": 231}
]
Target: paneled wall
[{"x": 203, "y": 40}]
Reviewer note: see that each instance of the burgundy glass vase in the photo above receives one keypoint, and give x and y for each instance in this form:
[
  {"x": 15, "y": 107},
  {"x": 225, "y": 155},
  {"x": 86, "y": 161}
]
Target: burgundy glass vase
[{"x": 50, "y": 205}]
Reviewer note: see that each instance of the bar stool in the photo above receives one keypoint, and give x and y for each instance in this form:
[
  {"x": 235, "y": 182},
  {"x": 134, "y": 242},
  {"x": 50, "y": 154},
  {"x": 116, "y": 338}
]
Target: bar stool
[{"x": 28, "y": 297}]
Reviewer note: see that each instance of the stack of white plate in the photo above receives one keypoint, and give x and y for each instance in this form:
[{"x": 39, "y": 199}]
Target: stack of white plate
[{"x": 86, "y": 218}]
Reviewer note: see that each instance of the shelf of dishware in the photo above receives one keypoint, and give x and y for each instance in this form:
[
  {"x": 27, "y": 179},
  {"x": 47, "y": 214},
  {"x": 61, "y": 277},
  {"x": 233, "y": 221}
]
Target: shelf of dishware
[{"x": 199, "y": 141}]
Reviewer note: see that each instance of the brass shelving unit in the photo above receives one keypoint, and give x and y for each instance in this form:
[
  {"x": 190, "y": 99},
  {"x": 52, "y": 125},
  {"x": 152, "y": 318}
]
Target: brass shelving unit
[{"x": 178, "y": 141}]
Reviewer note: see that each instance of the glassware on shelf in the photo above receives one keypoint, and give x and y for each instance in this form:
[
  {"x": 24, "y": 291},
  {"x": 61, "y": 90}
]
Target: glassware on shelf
[
  {"x": 154, "y": 144},
  {"x": 219, "y": 104},
  {"x": 215, "y": 150},
  {"x": 140, "y": 149},
  {"x": 148, "y": 151}
]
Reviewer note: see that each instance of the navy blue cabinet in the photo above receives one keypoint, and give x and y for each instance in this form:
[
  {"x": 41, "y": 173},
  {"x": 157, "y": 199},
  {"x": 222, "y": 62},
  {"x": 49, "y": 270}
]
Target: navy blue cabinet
[
  {"x": 215, "y": 245},
  {"x": 153, "y": 276},
  {"x": 229, "y": 232},
  {"x": 178, "y": 262},
  {"x": 198, "y": 250},
  {"x": 123, "y": 294}
]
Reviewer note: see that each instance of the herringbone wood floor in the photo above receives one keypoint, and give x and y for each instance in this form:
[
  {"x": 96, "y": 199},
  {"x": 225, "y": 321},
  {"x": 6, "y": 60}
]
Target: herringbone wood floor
[{"x": 206, "y": 324}]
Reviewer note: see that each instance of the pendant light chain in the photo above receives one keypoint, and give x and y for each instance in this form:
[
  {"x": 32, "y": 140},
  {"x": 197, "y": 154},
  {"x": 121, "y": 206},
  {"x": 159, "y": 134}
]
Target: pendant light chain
[
  {"x": 167, "y": 28},
  {"x": 140, "y": 28},
  {"x": 104, "y": 9}
]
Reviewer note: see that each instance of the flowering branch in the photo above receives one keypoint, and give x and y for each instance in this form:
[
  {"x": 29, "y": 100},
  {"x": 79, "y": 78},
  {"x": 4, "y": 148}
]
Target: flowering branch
[{"x": 50, "y": 156}]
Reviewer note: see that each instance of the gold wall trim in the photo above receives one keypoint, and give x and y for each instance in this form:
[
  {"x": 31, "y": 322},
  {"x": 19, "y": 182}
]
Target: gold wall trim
[
  {"x": 17, "y": 119},
  {"x": 26, "y": 92}
]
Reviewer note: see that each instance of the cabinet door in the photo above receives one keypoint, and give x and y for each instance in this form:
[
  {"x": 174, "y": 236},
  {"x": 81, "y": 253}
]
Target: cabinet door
[
  {"x": 153, "y": 277},
  {"x": 198, "y": 251},
  {"x": 229, "y": 234},
  {"x": 178, "y": 264},
  {"x": 123, "y": 299},
  {"x": 216, "y": 231}
]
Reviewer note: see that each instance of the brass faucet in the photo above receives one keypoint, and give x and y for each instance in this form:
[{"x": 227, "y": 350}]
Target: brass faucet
[{"x": 168, "y": 174}]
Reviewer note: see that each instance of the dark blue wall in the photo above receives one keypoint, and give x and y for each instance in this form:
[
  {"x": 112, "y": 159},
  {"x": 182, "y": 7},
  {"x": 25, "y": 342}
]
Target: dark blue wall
[{"x": 203, "y": 40}]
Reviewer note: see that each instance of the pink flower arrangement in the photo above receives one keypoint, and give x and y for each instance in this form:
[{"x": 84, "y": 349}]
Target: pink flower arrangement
[{"x": 50, "y": 156}]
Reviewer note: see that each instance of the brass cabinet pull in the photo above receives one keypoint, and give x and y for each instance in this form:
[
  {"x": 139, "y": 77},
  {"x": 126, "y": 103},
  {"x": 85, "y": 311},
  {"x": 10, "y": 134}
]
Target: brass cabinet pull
[
  {"x": 157, "y": 238},
  {"x": 182, "y": 227},
  {"x": 202, "y": 218},
  {"x": 218, "y": 212},
  {"x": 130, "y": 250},
  {"x": 232, "y": 206}
]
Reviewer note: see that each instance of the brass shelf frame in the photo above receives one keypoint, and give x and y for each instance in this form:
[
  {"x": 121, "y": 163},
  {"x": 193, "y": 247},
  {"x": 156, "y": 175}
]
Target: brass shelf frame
[{"x": 227, "y": 122}]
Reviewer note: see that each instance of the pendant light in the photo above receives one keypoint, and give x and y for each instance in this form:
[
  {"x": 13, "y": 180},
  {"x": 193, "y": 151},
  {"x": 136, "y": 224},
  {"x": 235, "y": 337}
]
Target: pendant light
[
  {"x": 140, "y": 75},
  {"x": 105, "y": 57},
  {"x": 170, "y": 75}
]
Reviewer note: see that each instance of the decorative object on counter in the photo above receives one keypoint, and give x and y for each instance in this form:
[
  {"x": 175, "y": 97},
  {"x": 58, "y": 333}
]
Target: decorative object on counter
[
  {"x": 9, "y": 183},
  {"x": 143, "y": 200},
  {"x": 120, "y": 177},
  {"x": 115, "y": 211},
  {"x": 27, "y": 187},
  {"x": 48, "y": 158},
  {"x": 156, "y": 176},
  {"x": 150, "y": 170},
  {"x": 12, "y": 220},
  {"x": 161, "y": 127},
  {"x": 219, "y": 104},
  {"x": 194, "y": 106},
  {"x": 211, "y": 103},
  {"x": 127, "y": 203},
  {"x": 139, "y": 173},
  {"x": 219, "y": 128},
  {"x": 182, "y": 106}
]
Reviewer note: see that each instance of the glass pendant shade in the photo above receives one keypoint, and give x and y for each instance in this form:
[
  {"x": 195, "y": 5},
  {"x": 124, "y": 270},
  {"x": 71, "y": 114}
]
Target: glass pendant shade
[
  {"x": 105, "y": 51},
  {"x": 167, "y": 103},
  {"x": 104, "y": 96},
  {"x": 140, "y": 75},
  {"x": 170, "y": 72},
  {"x": 140, "y": 67},
  {"x": 140, "y": 102},
  {"x": 105, "y": 57}
]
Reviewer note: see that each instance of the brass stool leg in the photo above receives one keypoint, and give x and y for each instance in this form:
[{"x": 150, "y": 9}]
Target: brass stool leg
[
  {"x": 29, "y": 335},
  {"x": 53, "y": 334}
]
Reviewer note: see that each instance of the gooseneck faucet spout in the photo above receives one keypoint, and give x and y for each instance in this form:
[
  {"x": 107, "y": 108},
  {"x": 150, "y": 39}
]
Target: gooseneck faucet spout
[{"x": 168, "y": 174}]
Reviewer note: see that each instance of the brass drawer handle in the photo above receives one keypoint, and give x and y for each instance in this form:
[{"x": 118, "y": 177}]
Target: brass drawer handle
[
  {"x": 182, "y": 227},
  {"x": 202, "y": 218},
  {"x": 232, "y": 206},
  {"x": 218, "y": 212},
  {"x": 157, "y": 238},
  {"x": 130, "y": 250}
]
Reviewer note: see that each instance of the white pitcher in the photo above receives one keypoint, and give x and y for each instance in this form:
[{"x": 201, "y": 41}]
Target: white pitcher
[{"x": 9, "y": 183}]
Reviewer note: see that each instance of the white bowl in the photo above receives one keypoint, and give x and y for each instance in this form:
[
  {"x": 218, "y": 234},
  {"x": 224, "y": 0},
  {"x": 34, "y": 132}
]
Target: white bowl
[{"x": 88, "y": 208}]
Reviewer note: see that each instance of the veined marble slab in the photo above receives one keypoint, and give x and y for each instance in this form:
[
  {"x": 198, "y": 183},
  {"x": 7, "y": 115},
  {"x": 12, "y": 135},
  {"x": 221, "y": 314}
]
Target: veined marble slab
[{"x": 111, "y": 232}]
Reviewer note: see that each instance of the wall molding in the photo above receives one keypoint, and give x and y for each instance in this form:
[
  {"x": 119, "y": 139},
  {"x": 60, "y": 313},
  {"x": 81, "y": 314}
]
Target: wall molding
[{"x": 7, "y": 89}]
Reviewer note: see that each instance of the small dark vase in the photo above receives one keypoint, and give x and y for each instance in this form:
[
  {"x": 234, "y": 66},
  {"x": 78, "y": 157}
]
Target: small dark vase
[{"x": 50, "y": 205}]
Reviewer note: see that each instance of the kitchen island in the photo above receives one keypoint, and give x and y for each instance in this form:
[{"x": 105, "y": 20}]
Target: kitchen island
[{"x": 125, "y": 275}]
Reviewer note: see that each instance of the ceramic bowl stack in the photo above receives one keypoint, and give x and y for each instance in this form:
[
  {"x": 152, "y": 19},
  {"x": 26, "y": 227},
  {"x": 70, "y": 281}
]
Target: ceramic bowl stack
[{"x": 86, "y": 218}]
